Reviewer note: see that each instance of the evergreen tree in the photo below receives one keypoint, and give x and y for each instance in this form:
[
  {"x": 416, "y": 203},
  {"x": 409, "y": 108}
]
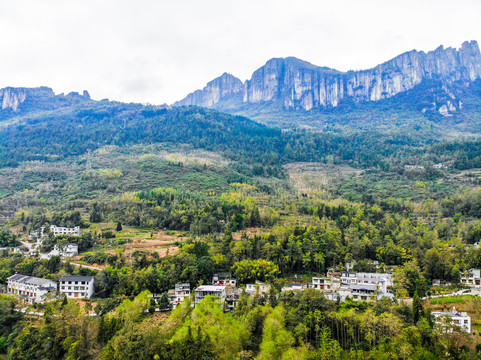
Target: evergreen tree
[
  {"x": 164, "y": 302},
  {"x": 417, "y": 308}
]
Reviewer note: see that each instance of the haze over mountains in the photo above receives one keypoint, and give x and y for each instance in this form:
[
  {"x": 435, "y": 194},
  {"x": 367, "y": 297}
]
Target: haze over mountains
[{"x": 296, "y": 85}]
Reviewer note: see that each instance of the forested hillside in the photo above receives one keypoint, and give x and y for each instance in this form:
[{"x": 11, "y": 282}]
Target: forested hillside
[{"x": 164, "y": 196}]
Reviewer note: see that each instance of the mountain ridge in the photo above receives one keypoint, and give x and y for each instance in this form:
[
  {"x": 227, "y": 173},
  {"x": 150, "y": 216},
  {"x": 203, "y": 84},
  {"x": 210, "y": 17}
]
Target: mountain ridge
[{"x": 300, "y": 85}]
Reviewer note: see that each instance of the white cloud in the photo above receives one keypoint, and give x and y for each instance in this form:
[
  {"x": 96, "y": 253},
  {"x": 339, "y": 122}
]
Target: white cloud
[{"x": 158, "y": 51}]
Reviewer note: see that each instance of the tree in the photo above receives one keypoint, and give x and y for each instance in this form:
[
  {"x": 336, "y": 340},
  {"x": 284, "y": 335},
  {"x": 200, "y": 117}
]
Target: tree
[
  {"x": 7, "y": 238},
  {"x": 164, "y": 303},
  {"x": 417, "y": 308},
  {"x": 251, "y": 270}
]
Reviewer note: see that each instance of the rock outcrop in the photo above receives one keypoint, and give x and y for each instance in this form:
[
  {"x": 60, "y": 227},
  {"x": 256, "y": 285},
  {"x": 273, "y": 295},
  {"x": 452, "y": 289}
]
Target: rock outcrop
[
  {"x": 299, "y": 85},
  {"x": 218, "y": 89},
  {"x": 11, "y": 98},
  {"x": 27, "y": 99}
]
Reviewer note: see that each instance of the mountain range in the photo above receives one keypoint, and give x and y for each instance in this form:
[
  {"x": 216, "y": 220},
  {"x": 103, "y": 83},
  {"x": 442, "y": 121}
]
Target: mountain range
[{"x": 291, "y": 85}]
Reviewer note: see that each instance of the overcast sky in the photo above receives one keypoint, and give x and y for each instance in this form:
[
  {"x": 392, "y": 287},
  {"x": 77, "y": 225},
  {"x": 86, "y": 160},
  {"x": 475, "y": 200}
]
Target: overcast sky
[{"x": 156, "y": 51}]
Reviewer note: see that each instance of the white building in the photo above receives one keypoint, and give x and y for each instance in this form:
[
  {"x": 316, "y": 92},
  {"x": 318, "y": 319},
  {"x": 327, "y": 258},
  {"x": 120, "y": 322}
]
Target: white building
[
  {"x": 381, "y": 276},
  {"x": 204, "y": 290},
  {"x": 447, "y": 321},
  {"x": 293, "y": 287},
  {"x": 56, "y": 230},
  {"x": 68, "y": 251},
  {"x": 179, "y": 294},
  {"x": 383, "y": 280},
  {"x": 471, "y": 278},
  {"x": 224, "y": 279},
  {"x": 325, "y": 284},
  {"x": 348, "y": 277},
  {"x": 29, "y": 288},
  {"x": 77, "y": 287},
  {"x": 257, "y": 288}
]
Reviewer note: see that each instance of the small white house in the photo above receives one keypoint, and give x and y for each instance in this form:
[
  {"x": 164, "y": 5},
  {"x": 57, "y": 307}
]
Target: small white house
[
  {"x": 257, "y": 288},
  {"x": 77, "y": 287},
  {"x": 29, "y": 288},
  {"x": 68, "y": 251},
  {"x": 56, "y": 230},
  {"x": 448, "y": 321}
]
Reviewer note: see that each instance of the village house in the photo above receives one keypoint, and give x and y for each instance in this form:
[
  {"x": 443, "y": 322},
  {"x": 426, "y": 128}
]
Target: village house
[
  {"x": 348, "y": 277},
  {"x": 413, "y": 167},
  {"x": 447, "y": 321},
  {"x": 68, "y": 251},
  {"x": 75, "y": 231},
  {"x": 204, "y": 290},
  {"x": 257, "y": 288},
  {"x": 325, "y": 284},
  {"x": 77, "y": 287},
  {"x": 231, "y": 298},
  {"x": 224, "y": 279},
  {"x": 178, "y": 295},
  {"x": 293, "y": 287},
  {"x": 29, "y": 288},
  {"x": 471, "y": 278}
]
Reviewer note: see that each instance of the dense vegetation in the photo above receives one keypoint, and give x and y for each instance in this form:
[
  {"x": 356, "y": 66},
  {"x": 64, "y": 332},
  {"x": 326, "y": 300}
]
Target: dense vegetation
[{"x": 176, "y": 195}]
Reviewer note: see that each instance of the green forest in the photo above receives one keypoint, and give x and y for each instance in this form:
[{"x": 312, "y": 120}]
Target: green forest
[{"x": 175, "y": 195}]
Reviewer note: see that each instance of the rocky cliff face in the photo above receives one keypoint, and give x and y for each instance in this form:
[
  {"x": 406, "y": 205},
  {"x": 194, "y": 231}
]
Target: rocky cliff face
[
  {"x": 299, "y": 85},
  {"x": 11, "y": 98},
  {"x": 215, "y": 91},
  {"x": 25, "y": 99}
]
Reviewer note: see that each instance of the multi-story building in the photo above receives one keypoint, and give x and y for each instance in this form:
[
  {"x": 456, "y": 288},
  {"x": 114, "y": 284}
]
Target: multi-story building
[
  {"x": 231, "y": 298},
  {"x": 77, "y": 287},
  {"x": 224, "y": 278},
  {"x": 325, "y": 283},
  {"x": 348, "y": 277},
  {"x": 380, "y": 276},
  {"x": 471, "y": 278},
  {"x": 257, "y": 288},
  {"x": 56, "y": 230},
  {"x": 448, "y": 321},
  {"x": 204, "y": 290},
  {"x": 29, "y": 288},
  {"x": 179, "y": 294}
]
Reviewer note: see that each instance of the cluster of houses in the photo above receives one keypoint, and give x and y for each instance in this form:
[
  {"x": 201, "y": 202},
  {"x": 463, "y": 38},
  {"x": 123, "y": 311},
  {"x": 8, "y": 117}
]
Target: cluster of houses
[
  {"x": 37, "y": 290},
  {"x": 421, "y": 167},
  {"x": 357, "y": 286},
  {"x": 68, "y": 250}
]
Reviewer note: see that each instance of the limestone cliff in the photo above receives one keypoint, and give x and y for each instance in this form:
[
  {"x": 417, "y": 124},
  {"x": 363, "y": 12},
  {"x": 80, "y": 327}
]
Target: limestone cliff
[
  {"x": 42, "y": 98},
  {"x": 299, "y": 85},
  {"x": 218, "y": 89}
]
